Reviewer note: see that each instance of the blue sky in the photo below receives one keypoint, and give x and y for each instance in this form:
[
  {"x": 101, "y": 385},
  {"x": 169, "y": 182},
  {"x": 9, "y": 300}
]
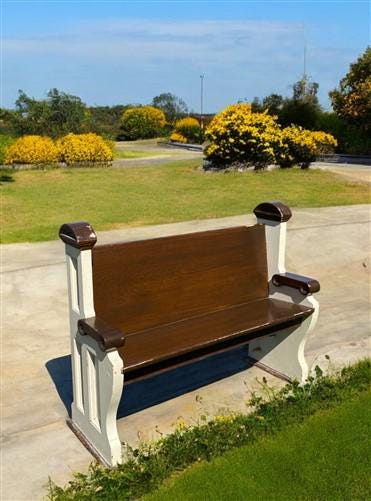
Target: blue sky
[{"x": 119, "y": 52}]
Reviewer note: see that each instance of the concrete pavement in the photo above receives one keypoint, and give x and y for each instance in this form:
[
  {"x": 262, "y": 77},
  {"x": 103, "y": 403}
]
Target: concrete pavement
[
  {"x": 352, "y": 172},
  {"x": 330, "y": 244}
]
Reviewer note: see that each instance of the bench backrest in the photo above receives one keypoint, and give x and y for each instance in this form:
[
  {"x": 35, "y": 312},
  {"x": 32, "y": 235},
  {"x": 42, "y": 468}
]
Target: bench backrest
[{"x": 146, "y": 283}]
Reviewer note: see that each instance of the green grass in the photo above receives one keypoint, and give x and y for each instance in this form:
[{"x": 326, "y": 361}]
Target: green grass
[
  {"x": 303, "y": 437},
  {"x": 127, "y": 154},
  {"x": 37, "y": 202},
  {"x": 325, "y": 458},
  {"x": 5, "y": 142}
]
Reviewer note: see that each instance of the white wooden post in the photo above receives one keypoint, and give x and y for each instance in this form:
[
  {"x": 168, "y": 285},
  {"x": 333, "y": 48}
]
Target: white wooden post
[
  {"x": 97, "y": 374},
  {"x": 283, "y": 351}
]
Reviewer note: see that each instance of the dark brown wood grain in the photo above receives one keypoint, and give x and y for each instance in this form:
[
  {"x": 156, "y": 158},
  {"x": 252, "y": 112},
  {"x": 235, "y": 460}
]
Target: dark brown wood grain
[
  {"x": 108, "y": 337},
  {"x": 79, "y": 234},
  {"x": 139, "y": 285},
  {"x": 147, "y": 351},
  {"x": 305, "y": 285},
  {"x": 273, "y": 211}
]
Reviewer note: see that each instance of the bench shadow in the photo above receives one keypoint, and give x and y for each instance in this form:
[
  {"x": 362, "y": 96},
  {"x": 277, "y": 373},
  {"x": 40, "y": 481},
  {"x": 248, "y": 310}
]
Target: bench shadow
[{"x": 158, "y": 388}]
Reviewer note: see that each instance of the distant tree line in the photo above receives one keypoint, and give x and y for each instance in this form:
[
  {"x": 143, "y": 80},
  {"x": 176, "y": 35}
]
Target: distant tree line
[
  {"x": 61, "y": 113},
  {"x": 350, "y": 121}
]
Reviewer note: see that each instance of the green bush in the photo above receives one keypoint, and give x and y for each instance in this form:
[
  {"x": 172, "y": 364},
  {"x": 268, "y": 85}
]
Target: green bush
[
  {"x": 143, "y": 122},
  {"x": 5, "y": 142},
  {"x": 352, "y": 139}
]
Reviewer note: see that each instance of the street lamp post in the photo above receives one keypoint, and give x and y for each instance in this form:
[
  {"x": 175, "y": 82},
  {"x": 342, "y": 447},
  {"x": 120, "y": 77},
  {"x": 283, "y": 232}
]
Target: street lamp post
[{"x": 202, "y": 101}]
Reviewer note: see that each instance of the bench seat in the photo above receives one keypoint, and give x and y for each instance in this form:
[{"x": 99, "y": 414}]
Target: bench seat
[{"x": 174, "y": 344}]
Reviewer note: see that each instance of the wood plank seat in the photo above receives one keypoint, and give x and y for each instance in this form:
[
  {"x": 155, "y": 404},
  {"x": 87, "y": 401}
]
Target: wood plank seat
[
  {"x": 167, "y": 346},
  {"x": 143, "y": 307}
]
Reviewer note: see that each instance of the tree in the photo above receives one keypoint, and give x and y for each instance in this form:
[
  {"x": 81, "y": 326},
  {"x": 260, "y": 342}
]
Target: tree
[
  {"x": 55, "y": 116},
  {"x": 299, "y": 112},
  {"x": 352, "y": 99},
  {"x": 30, "y": 116},
  {"x": 272, "y": 103},
  {"x": 6, "y": 121},
  {"x": 106, "y": 120},
  {"x": 306, "y": 91},
  {"x": 302, "y": 108},
  {"x": 172, "y": 106},
  {"x": 67, "y": 113}
]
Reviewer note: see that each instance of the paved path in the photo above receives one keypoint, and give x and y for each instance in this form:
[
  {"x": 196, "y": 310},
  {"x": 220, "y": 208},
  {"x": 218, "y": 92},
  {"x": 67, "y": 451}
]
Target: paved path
[
  {"x": 164, "y": 155},
  {"x": 161, "y": 154},
  {"x": 330, "y": 244},
  {"x": 352, "y": 172}
]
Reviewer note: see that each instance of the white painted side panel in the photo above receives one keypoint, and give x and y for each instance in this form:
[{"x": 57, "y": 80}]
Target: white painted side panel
[
  {"x": 284, "y": 351},
  {"x": 97, "y": 375}
]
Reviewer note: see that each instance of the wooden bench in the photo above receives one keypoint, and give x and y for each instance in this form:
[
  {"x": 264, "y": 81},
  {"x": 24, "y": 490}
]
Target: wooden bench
[{"x": 143, "y": 307}]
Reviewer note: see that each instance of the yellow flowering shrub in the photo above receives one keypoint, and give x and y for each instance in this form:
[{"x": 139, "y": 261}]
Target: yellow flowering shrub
[
  {"x": 299, "y": 146},
  {"x": 176, "y": 137},
  {"x": 325, "y": 142},
  {"x": 190, "y": 129},
  {"x": 85, "y": 148},
  {"x": 236, "y": 135},
  {"x": 32, "y": 150},
  {"x": 142, "y": 122},
  {"x": 239, "y": 136}
]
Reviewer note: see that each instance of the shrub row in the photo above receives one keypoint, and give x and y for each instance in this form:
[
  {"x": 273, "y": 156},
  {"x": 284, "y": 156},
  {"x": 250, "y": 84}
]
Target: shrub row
[
  {"x": 237, "y": 135},
  {"x": 71, "y": 149}
]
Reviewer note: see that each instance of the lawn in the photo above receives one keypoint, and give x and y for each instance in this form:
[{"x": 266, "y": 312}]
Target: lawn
[
  {"x": 127, "y": 154},
  {"x": 325, "y": 458},
  {"x": 36, "y": 202},
  {"x": 305, "y": 443}
]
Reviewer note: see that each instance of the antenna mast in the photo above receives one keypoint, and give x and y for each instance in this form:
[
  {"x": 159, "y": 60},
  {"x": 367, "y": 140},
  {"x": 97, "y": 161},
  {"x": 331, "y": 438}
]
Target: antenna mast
[{"x": 305, "y": 61}]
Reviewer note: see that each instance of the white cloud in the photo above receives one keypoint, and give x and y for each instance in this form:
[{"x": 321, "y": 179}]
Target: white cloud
[
  {"x": 222, "y": 42},
  {"x": 133, "y": 59}
]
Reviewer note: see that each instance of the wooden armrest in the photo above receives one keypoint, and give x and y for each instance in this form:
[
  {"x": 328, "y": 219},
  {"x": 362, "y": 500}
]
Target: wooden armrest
[
  {"x": 305, "y": 285},
  {"x": 108, "y": 337}
]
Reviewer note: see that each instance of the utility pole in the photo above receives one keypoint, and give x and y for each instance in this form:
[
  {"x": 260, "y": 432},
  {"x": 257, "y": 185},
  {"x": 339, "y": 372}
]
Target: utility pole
[
  {"x": 202, "y": 101},
  {"x": 305, "y": 68},
  {"x": 305, "y": 60}
]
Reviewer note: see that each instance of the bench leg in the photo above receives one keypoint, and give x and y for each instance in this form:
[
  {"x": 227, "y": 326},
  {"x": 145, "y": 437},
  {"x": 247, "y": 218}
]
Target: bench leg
[
  {"x": 283, "y": 352},
  {"x": 98, "y": 383}
]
